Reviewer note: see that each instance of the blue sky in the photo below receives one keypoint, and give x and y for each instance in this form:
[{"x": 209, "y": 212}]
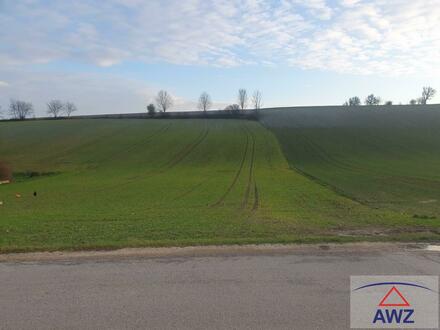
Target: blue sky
[{"x": 113, "y": 56}]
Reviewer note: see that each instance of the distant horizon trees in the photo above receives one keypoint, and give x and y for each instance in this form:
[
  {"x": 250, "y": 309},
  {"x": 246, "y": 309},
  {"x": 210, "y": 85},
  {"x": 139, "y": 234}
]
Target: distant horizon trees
[
  {"x": 151, "y": 109},
  {"x": 372, "y": 100},
  {"x": 242, "y": 98},
  {"x": 427, "y": 94},
  {"x": 233, "y": 107},
  {"x": 57, "y": 107},
  {"x": 353, "y": 102},
  {"x": 20, "y": 110},
  {"x": 257, "y": 100},
  {"x": 204, "y": 102},
  {"x": 164, "y": 100}
]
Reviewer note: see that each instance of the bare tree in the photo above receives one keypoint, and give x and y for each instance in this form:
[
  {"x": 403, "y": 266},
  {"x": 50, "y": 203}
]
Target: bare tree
[
  {"x": 257, "y": 100},
  {"x": 164, "y": 100},
  {"x": 427, "y": 94},
  {"x": 55, "y": 107},
  {"x": 232, "y": 107},
  {"x": 69, "y": 108},
  {"x": 353, "y": 102},
  {"x": 1, "y": 112},
  {"x": 204, "y": 101},
  {"x": 20, "y": 109},
  {"x": 372, "y": 100},
  {"x": 242, "y": 98}
]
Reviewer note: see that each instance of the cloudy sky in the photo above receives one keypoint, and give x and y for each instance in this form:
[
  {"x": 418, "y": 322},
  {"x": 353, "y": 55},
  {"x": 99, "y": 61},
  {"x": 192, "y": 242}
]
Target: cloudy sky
[{"x": 114, "y": 55}]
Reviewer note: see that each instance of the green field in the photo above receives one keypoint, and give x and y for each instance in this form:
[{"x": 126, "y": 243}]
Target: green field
[
  {"x": 108, "y": 183},
  {"x": 387, "y": 158}
]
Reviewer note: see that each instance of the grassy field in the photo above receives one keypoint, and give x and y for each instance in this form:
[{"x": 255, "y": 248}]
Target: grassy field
[
  {"x": 115, "y": 183},
  {"x": 383, "y": 157}
]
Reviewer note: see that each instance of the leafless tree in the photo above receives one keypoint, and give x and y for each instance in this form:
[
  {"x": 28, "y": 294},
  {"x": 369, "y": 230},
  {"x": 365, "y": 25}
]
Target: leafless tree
[
  {"x": 69, "y": 108},
  {"x": 20, "y": 109},
  {"x": 1, "y": 112},
  {"x": 427, "y": 94},
  {"x": 242, "y": 98},
  {"x": 204, "y": 101},
  {"x": 257, "y": 100},
  {"x": 372, "y": 100},
  {"x": 164, "y": 100},
  {"x": 353, "y": 101},
  {"x": 232, "y": 107},
  {"x": 55, "y": 107}
]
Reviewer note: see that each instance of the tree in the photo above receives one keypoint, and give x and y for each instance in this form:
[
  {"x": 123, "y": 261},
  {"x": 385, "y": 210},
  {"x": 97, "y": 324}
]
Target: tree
[
  {"x": 69, "y": 107},
  {"x": 151, "y": 109},
  {"x": 413, "y": 102},
  {"x": 204, "y": 101},
  {"x": 20, "y": 109},
  {"x": 232, "y": 107},
  {"x": 257, "y": 100},
  {"x": 389, "y": 103},
  {"x": 372, "y": 100},
  {"x": 427, "y": 94},
  {"x": 1, "y": 112},
  {"x": 242, "y": 98},
  {"x": 55, "y": 107},
  {"x": 353, "y": 102},
  {"x": 164, "y": 100}
]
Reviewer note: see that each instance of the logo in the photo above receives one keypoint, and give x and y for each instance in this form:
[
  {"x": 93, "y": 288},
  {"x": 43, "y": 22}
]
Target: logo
[{"x": 394, "y": 302}]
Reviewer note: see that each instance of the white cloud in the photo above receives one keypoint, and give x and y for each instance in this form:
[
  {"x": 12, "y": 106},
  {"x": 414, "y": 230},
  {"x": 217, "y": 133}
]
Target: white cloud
[
  {"x": 3, "y": 84},
  {"x": 385, "y": 37}
]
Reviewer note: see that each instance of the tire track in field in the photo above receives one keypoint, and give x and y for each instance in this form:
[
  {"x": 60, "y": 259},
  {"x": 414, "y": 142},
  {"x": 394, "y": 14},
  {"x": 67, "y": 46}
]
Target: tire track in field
[
  {"x": 237, "y": 175},
  {"x": 186, "y": 150},
  {"x": 251, "y": 183}
]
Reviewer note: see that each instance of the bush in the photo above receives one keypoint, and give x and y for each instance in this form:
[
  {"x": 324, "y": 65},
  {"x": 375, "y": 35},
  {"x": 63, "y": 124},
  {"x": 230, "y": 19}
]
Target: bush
[{"x": 151, "y": 109}]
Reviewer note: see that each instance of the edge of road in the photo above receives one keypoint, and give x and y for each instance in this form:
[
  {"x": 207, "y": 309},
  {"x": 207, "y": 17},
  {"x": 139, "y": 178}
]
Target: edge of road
[{"x": 215, "y": 251}]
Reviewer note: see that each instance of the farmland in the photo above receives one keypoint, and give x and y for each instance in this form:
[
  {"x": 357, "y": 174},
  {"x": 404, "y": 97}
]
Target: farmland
[
  {"x": 109, "y": 183},
  {"x": 384, "y": 157}
]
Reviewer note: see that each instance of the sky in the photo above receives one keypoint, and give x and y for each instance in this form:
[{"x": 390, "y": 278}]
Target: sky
[{"x": 114, "y": 56}]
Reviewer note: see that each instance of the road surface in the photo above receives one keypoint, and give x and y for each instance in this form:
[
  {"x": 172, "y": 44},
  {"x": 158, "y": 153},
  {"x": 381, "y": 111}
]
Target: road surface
[{"x": 240, "y": 288}]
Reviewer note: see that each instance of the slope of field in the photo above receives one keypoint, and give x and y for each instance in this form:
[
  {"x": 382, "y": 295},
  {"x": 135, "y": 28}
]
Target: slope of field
[
  {"x": 384, "y": 157},
  {"x": 112, "y": 183}
]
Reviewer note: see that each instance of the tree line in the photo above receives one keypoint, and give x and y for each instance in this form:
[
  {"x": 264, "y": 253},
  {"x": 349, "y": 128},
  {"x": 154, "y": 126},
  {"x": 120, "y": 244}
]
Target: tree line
[
  {"x": 20, "y": 110},
  {"x": 164, "y": 101},
  {"x": 428, "y": 93}
]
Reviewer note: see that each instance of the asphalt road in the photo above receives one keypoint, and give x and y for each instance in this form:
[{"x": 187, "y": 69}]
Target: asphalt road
[{"x": 302, "y": 288}]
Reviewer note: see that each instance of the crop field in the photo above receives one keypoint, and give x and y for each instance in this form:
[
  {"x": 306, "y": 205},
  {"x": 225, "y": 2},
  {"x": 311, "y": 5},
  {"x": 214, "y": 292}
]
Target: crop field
[
  {"x": 385, "y": 158},
  {"x": 109, "y": 183}
]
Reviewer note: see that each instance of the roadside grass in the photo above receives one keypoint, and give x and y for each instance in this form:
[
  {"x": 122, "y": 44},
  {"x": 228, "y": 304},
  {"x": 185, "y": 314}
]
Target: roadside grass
[{"x": 129, "y": 182}]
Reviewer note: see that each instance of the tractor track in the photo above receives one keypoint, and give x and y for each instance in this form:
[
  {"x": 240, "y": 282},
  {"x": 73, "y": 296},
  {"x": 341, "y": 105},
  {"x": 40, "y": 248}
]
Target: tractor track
[
  {"x": 186, "y": 150},
  {"x": 251, "y": 170},
  {"x": 251, "y": 178},
  {"x": 237, "y": 174}
]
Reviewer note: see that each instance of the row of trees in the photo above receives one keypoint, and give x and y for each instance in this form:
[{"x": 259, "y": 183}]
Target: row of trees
[
  {"x": 20, "y": 110},
  {"x": 427, "y": 94},
  {"x": 164, "y": 101}
]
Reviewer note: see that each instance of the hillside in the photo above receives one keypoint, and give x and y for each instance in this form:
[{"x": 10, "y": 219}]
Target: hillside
[
  {"x": 107, "y": 183},
  {"x": 384, "y": 157}
]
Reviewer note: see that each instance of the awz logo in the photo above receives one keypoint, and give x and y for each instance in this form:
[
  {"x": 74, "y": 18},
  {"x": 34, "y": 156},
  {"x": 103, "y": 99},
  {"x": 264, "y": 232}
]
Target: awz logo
[
  {"x": 397, "y": 316},
  {"x": 394, "y": 303}
]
